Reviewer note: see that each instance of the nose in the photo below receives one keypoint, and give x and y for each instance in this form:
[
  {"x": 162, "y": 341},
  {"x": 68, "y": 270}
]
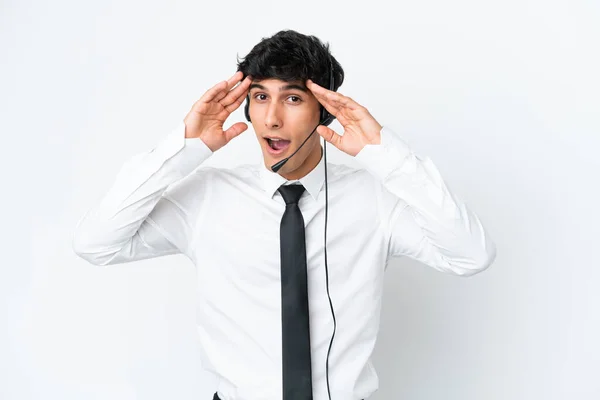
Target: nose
[{"x": 272, "y": 119}]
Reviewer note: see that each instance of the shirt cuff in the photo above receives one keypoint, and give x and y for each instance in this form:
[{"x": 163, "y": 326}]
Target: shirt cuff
[
  {"x": 381, "y": 159},
  {"x": 181, "y": 153}
]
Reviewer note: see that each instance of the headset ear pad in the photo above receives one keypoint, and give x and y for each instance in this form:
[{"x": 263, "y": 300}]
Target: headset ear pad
[
  {"x": 247, "y": 108},
  {"x": 326, "y": 117}
]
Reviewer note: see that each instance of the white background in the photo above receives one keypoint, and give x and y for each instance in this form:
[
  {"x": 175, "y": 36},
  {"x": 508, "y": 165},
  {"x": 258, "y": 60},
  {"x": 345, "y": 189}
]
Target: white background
[{"x": 503, "y": 96}]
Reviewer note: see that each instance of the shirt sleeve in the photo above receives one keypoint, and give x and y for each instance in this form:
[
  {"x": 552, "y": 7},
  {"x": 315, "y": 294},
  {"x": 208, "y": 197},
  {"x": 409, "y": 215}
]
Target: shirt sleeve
[
  {"x": 421, "y": 217},
  {"x": 137, "y": 218}
]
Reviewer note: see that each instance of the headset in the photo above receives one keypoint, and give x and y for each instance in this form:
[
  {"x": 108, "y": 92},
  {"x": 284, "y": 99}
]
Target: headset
[{"x": 326, "y": 118}]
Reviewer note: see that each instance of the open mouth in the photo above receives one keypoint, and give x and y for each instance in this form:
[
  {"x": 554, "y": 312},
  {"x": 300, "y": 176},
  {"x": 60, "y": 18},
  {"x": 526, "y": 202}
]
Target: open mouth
[{"x": 277, "y": 146}]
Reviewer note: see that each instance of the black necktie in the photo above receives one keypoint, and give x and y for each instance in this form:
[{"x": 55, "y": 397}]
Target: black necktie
[{"x": 297, "y": 376}]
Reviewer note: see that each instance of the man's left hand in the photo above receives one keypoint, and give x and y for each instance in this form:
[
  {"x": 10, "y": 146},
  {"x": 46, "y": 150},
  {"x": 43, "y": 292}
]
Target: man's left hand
[{"x": 360, "y": 128}]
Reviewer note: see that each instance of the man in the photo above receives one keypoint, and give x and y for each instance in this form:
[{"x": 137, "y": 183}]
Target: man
[{"x": 290, "y": 263}]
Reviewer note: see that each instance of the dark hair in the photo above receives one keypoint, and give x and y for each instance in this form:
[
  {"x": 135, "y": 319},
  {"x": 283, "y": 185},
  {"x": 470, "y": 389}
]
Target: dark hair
[{"x": 290, "y": 56}]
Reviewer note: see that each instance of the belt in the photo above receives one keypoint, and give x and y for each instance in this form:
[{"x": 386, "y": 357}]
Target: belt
[{"x": 216, "y": 397}]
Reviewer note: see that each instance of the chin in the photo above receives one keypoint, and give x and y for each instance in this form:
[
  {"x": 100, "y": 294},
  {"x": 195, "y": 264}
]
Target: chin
[
  {"x": 286, "y": 169},
  {"x": 269, "y": 163}
]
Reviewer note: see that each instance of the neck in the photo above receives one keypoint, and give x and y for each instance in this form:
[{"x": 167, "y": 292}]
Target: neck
[{"x": 309, "y": 164}]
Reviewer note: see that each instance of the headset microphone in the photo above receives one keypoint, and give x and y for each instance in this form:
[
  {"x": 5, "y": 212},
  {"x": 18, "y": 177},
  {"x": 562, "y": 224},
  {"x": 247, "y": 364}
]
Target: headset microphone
[{"x": 276, "y": 167}]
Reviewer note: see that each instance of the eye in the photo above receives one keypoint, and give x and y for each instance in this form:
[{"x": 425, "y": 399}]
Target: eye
[
  {"x": 296, "y": 100},
  {"x": 259, "y": 94}
]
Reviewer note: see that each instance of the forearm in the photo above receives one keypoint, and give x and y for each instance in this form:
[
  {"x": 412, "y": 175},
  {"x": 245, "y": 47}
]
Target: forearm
[
  {"x": 109, "y": 226},
  {"x": 451, "y": 237}
]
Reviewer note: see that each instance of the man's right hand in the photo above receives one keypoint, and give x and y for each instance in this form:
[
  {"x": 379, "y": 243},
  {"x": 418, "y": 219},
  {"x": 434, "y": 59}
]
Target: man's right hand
[{"x": 207, "y": 116}]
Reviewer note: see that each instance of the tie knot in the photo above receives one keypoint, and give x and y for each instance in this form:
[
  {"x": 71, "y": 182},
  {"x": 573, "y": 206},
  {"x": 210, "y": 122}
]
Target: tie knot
[{"x": 291, "y": 193}]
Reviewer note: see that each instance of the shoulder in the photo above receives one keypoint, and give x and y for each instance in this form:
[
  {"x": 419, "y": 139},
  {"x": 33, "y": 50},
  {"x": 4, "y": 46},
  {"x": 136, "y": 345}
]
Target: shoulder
[
  {"x": 350, "y": 175},
  {"x": 211, "y": 174},
  {"x": 204, "y": 180}
]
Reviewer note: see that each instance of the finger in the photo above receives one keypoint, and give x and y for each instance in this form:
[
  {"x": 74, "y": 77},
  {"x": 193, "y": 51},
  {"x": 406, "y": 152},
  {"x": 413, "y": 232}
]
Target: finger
[
  {"x": 240, "y": 90},
  {"x": 329, "y": 96},
  {"x": 330, "y": 106},
  {"x": 235, "y": 130},
  {"x": 337, "y": 100},
  {"x": 231, "y": 82},
  {"x": 233, "y": 106},
  {"x": 319, "y": 90},
  {"x": 345, "y": 101},
  {"x": 213, "y": 92},
  {"x": 330, "y": 136},
  {"x": 342, "y": 113}
]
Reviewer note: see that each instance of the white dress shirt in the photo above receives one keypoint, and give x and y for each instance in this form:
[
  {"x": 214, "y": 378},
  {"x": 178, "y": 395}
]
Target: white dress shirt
[{"x": 226, "y": 221}]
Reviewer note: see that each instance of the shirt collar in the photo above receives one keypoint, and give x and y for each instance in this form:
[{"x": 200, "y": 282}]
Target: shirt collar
[{"x": 312, "y": 182}]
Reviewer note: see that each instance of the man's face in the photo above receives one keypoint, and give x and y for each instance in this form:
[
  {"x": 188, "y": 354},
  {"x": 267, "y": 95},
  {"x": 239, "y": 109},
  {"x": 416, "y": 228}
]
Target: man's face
[{"x": 286, "y": 111}]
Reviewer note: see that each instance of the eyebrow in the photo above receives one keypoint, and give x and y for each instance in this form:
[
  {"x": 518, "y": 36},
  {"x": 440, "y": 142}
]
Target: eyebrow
[{"x": 281, "y": 89}]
